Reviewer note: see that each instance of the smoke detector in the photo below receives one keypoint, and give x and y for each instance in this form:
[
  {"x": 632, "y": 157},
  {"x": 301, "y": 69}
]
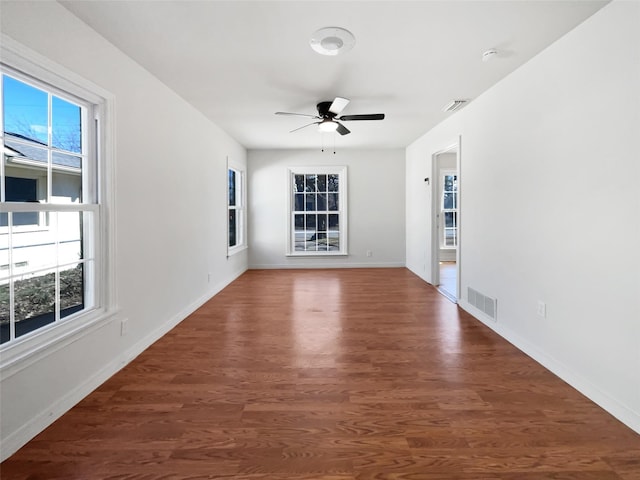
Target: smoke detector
[{"x": 332, "y": 41}]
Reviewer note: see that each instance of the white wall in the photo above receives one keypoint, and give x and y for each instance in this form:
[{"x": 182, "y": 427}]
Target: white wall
[
  {"x": 376, "y": 207},
  {"x": 549, "y": 187},
  {"x": 170, "y": 208}
]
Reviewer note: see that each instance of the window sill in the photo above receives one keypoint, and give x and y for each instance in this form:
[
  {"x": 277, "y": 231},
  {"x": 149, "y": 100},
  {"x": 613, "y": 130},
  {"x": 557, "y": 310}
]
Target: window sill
[
  {"x": 317, "y": 254},
  {"x": 43, "y": 342},
  {"x": 234, "y": 250}
]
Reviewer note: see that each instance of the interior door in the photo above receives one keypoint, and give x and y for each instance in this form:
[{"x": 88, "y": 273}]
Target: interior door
[{"x": 445, "y": 256}]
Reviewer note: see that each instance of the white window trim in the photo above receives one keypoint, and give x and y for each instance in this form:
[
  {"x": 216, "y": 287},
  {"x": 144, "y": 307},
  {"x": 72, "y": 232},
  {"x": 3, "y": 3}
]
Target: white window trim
[
  {"x": 241, "y": 209},
  {"x": 41, "y": 343},
  {"x": 342, "y": 210}
]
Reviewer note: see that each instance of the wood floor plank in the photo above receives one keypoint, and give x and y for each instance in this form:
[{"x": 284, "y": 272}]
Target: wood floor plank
[{"x": 331, "y": 375}]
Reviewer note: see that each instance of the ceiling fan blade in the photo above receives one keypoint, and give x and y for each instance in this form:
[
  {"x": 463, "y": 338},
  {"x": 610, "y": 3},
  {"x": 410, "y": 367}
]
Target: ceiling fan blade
[
  {"x": 304, "y": 126},
  {"x": 338, "y": 105},
  {"x": 297, "y": 114},
  {"x": 342, "y": 130},
  {"x": 371, "y": 116}
]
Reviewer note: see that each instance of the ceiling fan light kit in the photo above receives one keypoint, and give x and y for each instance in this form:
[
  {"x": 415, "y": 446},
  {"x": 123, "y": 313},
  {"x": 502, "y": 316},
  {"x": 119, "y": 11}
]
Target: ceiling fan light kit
[
  {"x": 328, "y": 126},
  {"x": 332, "y": 41}
]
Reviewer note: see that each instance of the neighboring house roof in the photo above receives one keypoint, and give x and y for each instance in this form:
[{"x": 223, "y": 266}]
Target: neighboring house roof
[{"x": 22, "y": 147}]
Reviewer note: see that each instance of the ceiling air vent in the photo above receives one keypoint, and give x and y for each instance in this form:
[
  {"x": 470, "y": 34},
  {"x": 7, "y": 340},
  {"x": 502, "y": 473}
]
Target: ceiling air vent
[{"x": 455, "y": 105}]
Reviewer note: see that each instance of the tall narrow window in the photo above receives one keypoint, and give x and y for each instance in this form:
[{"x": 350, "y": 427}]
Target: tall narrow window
[
  {"x": 49, "y": 210},
  {"x": 449, "y": 210},
  {"x": 236, "y": 211},
  {"x": 318, "y": 206}
]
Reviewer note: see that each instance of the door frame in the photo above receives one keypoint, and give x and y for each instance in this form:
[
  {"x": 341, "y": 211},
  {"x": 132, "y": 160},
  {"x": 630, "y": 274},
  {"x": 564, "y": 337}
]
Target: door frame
[{"x": 435, "y": 214}]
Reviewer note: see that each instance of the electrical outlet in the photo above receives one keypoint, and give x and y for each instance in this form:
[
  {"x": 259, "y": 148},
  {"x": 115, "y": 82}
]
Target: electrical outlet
[
  {"x": 124, "y": 327},
  {"x": 369, "y": 253},
  {"x": 542, "y": 309},
  {"x": 208, "y": 278}
]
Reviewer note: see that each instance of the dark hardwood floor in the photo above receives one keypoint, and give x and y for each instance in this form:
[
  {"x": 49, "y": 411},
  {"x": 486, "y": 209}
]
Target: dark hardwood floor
[{"x": 332, "y": 375}]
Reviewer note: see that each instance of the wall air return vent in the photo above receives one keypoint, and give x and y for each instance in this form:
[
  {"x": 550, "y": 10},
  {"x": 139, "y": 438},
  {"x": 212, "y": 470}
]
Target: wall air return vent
[
  {"x": 454, "y": 105},
  {"x": 486, "y": 305}
]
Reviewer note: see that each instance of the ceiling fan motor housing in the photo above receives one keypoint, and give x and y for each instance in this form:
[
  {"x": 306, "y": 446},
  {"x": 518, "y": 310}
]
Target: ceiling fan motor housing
[{"x": 323, "y": 110}]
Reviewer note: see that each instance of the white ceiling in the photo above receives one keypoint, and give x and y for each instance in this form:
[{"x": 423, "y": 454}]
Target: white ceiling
[{"x": 238, "y": 62}]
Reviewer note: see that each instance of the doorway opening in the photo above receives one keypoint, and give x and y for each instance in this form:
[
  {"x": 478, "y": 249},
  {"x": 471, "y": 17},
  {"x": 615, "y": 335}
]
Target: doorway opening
[{"x": 446, "y": 222}]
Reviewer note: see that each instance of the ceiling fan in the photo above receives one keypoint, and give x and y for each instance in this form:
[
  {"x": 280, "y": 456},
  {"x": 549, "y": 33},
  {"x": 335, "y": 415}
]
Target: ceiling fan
[{"x": 328, "y": 119}]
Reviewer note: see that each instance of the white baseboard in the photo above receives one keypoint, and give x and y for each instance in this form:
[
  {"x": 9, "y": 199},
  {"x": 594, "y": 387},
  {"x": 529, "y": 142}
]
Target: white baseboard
[
  {"x": 319, "y": 265},
  {"x": 620, "y": 411},
  {"x": 15, "y": 440}
]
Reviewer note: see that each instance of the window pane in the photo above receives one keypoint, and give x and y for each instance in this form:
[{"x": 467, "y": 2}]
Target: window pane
[
  {"x": 310, "y": 221},
  {"x": 71, "y": 290},
  {"x": 25, "y": 111},
  {"x": 322, "y": 223},
  {"x": 34, "y": 302},
  {"x": 19, "y": 152},
  {"x": 300, "y": 241},
  {"x": 232, "y": 188},
  {"x": 20, "y": 219},
  {"x": 310, "y": 202},
  {"x": 333, "y": 201},
  {"x": 66, "y": 187},
  {"x": 448, "y": 183},
  {"x": 448, "y": 201},
  {"x": 450, "y": 237},
  {"x": 4, "y": 256},
  {"x": 66, "y": 131},
  {"x": 66, "y": 160},
  {"x": 298, "y": 184},
  {"x": 299, "y": 202},
  {"x": 333, "y": 241},
  {"x": 232, "y": 228},
  {"x": 322, "y": 183},
  {"x": 33, "y": 250},
  {"x": 450, "y": 219},
  {"x": 69, "y": 237},
  {"x": 310, "y": 183},
  {"x": 334, "y": 223},
  {"x": 4, "y": 312},
  {"x": 333, "y": 183},
  {"x": 24, "y": 219},
  {"x": 299, "y": 222},
  {"x": 321, "y": 205},
  {"x": 20, "y": 190}
]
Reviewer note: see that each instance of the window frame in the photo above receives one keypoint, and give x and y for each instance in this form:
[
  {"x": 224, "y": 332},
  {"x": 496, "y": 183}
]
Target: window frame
[
  {"x": 22, "y": 63},
  {"x": 341, "y": 171},
  {"x": 239, "y": 207}
]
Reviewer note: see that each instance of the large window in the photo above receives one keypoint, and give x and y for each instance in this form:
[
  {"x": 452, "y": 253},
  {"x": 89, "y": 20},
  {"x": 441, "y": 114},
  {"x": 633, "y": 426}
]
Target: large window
[
  {"x": 51, "y": 230},
  {"x": 236, "y": 210},
  {"x": 318, "y": 211},
  {"x": 449, "y": 210}
]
